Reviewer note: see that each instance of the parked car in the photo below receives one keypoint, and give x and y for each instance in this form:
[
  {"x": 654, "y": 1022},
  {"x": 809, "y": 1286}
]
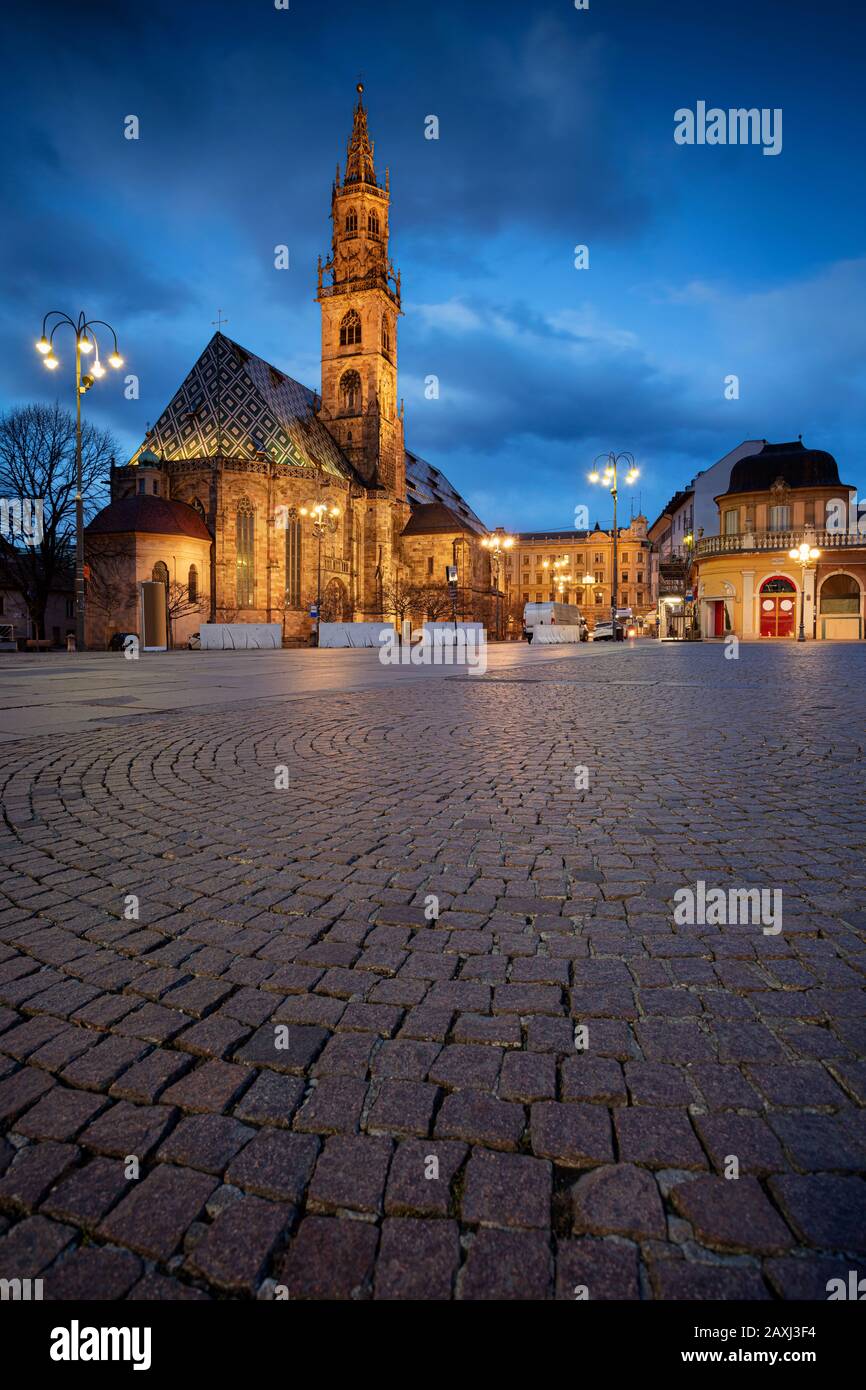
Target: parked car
[
  {"x": 117, "y": 640},
  {"x": 194, "y": 642},
  {"x": 603, "y": 632}
]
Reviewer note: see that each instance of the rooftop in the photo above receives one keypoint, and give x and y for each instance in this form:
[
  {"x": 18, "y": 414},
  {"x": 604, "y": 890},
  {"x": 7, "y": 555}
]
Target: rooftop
[{"x": 158, "y": 516}]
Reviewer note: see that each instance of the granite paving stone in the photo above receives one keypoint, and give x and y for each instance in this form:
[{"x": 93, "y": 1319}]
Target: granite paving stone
[{"x": 536, "y": 1093}]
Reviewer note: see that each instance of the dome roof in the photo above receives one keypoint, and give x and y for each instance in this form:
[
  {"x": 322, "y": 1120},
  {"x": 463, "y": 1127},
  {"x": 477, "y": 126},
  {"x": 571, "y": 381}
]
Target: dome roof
[
  {"x": 160, "y": 516},
  {"x": 797, "y": 465}
]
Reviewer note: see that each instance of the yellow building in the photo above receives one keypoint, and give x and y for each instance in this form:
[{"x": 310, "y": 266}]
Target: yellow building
[
  {"x": 577, "y": 567},
  {"x": 781, "y": 498}
]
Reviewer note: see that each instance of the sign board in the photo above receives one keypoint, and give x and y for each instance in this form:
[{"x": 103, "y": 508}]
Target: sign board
[
  {"x": 451, "y": 574},
  {"x": 314, "y": 612}
]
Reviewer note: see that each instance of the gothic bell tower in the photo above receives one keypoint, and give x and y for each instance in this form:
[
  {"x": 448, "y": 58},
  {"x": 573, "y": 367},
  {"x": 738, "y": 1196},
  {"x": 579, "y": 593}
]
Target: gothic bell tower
[{"x": 360, "y": 307}]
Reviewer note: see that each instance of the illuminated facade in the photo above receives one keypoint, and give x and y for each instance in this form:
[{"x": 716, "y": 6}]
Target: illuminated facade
[{"x": 244, "y": 448}]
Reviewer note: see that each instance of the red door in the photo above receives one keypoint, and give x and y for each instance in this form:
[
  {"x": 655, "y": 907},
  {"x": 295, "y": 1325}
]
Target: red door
[
  {"x": 778, "y": 606},
  {"x": 719, "y": 619}
]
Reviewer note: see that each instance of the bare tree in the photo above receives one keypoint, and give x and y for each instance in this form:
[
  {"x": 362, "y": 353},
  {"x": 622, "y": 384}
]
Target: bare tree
[
  {"x": 399, "y": 599},
  {"x": 180, "y": 604},
  {"x": 37, "y": 461},
  {"x": 434, "y": 601},
  {"x": 111, "y": 589}
]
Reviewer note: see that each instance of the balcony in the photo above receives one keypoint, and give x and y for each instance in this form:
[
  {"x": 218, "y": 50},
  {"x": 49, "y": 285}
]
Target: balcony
[
  {"x": 754, "y": 541},
  {"x": 375, "y": 281}
]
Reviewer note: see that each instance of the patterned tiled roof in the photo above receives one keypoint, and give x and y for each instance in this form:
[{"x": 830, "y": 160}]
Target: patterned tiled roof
[
  {"x": 262, "y": 410},
  {"x": 265, "y": 411}
]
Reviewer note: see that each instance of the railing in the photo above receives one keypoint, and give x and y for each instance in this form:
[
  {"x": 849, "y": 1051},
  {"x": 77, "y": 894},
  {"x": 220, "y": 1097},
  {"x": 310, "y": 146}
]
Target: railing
[
  {"x": 778, "y": 540},
  {"x": 336, "y": 564},
  {"x": 369, "y": 282}
]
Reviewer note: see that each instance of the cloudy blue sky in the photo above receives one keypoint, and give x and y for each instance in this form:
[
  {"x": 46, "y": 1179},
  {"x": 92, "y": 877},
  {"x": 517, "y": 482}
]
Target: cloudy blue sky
[{"x": 556, "y": 129}]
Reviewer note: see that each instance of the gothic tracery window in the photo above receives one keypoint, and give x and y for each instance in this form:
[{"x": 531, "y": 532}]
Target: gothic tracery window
[
  {"x": 386, "y": 334},
  {"x": 351, "y": 222},
  {"x": 350, "y": 393},
  {"x": 373, "y": 224},
  {"x": 245, "y": 524},
  {"x": 293, "y": 562},
  {"x": 350, "y": 329}
]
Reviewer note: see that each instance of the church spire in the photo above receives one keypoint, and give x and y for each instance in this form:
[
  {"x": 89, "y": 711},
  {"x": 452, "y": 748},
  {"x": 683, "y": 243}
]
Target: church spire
[{"x": 359, "y": 151}]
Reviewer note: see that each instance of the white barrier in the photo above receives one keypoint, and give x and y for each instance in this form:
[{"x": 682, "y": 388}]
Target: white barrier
[
  {"x": 239, "y": 636},
  {"x": 446, "y": 632},
  {"x": 555, "y": 632},
  {"x": 352, "y": 634}
]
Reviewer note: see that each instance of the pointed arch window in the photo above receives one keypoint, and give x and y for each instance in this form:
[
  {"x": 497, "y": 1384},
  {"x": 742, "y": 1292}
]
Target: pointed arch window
[
  {"x": 245, "y": 536},
  {"x": 386, "y": 334},
  {"x": 350, "y": 329},
  {"x": 293, "y": 562},
  {"x": 351, "y": 222},
  {"x": 192, "y": 584},
  {"x": 373, "y": 224},
  {"x": 350, "y": 393}
]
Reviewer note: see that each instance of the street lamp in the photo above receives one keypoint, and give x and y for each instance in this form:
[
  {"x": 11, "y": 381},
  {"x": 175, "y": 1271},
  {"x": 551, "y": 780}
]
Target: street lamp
[
  {"x": 806, "y": 555},
  {"x": 86, "y": 343},
  {"x": 497, "y": 542},
  {"x": 559, "y": 578},
  {"x": 607, "y": 477},
  {"x": 324, "y": 521}
]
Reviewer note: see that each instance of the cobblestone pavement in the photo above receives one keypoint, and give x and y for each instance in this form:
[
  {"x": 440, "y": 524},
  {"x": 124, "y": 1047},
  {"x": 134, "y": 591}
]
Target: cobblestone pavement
[{"x": 331, "y": 1096}]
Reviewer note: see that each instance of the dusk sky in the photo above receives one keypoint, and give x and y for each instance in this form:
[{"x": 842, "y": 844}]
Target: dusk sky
[{"x": 556, "y": 129}]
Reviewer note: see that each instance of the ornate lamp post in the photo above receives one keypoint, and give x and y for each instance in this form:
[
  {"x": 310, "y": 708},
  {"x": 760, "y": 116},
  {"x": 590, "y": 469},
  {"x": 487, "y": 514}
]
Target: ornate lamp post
[
  {"x": 806, "y": 555},
  {"x": 497, "y": 542},
  {"x": 325, "y": 521},
  {"x": 608, "y": 478},
  {"x": 85, "y": 343}
]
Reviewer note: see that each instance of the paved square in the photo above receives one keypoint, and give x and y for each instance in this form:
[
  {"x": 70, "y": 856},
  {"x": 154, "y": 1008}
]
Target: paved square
[{"x": 422, "y": 1023}]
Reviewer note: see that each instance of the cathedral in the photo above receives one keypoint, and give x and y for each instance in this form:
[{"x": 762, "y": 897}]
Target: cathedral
[{"x": 252, "y": 495}]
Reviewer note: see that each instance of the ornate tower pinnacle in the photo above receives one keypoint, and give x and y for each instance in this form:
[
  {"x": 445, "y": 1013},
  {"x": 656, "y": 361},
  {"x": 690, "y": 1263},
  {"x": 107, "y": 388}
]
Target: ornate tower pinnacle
[{"x": 359, "y": 151}]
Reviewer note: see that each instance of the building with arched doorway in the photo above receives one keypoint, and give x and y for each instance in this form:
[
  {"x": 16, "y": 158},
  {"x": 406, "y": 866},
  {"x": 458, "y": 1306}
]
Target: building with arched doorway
[
  {"x": 746, "y": 582},
  {"x": 141, "y": 539}
]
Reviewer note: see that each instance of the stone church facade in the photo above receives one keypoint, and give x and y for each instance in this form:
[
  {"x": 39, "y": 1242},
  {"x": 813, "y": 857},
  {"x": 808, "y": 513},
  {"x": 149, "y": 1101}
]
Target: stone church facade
[{"x": 251, "y": 452}]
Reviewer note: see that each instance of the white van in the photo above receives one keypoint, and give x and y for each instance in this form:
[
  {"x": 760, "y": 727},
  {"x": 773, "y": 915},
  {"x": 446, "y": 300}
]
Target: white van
[{"x": 566, "y": 615}]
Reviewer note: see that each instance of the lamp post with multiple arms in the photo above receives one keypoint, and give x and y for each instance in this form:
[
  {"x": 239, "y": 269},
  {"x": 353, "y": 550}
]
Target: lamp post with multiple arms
[
  {"x": 85, "y": 344},
  {"x": 805, "y": 555},
  {"x": 608, "y": 477},
  {"x": 558, "y": 576},
  {"x": 324, "y": 521},
  {"x": 497, "y": 542}
]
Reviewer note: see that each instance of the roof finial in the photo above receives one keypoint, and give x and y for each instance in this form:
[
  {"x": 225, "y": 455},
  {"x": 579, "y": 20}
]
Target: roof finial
[{"x": 359, "y": 154}]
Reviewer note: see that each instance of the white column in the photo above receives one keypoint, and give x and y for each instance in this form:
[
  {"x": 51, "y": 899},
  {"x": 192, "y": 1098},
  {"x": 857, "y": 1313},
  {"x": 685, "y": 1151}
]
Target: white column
[
  {"x": 809, "y": 589},
  {"x": 748, "y": 603}
]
